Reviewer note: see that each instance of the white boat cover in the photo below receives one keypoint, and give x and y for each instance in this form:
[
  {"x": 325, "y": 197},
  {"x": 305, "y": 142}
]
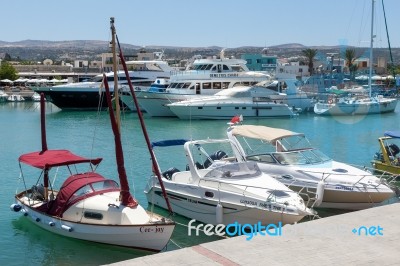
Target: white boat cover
[{"x": 268, "y": 134}]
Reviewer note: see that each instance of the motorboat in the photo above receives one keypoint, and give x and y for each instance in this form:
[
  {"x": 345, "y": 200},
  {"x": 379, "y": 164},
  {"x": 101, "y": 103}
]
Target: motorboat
[
  {"x": 3, "y": 96},
  {"x": 214, "y": 189},
  {"x": 15, "y": 98},
  {"x": 387, "y": 160},
  {"x": 205, "y": 76},
  {"x": 356, "y": 105},
  {"x": 36, "y": 97},
  {"x": 289, "y": 158},
  {"x": 85, "y": 95},
  {"x": 87, "y": 205},
  {"x": 249, "y": 101}
]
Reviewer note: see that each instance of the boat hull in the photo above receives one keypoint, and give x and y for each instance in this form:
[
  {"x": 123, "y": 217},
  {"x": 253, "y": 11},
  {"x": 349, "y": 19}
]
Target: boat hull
[
  {"x": 229, "y": 110},
  {"x": 194, "y": 206},
  {"x": 383, "y": 167},
  {"x": 151, "y": 237},
  {"x": 386, "y": 106}
]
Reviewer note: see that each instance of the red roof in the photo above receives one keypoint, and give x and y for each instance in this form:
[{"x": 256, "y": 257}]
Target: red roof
[{"x": 52, "y": 158}]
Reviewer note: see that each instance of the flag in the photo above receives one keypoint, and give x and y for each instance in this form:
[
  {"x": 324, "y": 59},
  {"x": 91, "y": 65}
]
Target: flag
[{"x": 236, "y": 119}]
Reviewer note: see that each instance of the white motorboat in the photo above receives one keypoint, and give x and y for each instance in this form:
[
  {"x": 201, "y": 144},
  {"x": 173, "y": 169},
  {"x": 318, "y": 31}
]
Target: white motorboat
[
  {"x": 205, "y": 77},
  {"x": 85, "y": 95},
  {"x": 15, "y": 98},
  {"x": 289, "y": 157},
  {"x": 215, "y": 190},
  {"x": 87, "y": 205},
  {"x": 248, "y": 101},
  {"x": 3, "y": 96}
]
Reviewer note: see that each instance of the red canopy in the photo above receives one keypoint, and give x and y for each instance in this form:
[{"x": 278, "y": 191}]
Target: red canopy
[{"x": 52, "y": 158}]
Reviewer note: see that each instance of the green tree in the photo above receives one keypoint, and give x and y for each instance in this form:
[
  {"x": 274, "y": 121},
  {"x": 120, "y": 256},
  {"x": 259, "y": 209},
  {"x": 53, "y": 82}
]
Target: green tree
[
  {"x": 7, "y": 71},
  {"x": 350, "y": 55},
  {"x": 310, "y": 54}
]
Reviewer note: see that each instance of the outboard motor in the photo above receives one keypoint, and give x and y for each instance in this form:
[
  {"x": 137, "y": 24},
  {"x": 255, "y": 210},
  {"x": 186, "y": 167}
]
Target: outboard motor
[
  {"x": 218, "y": 155},
  {"x": 393, "y": 149},
  {"x": 169, "y": 172}
]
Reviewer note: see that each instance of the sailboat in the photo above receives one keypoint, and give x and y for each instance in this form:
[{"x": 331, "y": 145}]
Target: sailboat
[
  {"x": 87, "y": 205},
  {"x": 356, "y": 105}
]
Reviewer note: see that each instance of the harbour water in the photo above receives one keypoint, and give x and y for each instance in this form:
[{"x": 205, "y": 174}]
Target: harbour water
[{"x": 349, "y": 139}]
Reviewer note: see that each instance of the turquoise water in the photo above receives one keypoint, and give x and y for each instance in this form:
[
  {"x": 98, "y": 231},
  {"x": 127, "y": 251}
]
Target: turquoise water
[{"x": 348, "y": 139}]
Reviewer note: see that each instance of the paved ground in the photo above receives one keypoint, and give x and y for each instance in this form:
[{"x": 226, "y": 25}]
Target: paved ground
[{"x": 368, "y": 237}]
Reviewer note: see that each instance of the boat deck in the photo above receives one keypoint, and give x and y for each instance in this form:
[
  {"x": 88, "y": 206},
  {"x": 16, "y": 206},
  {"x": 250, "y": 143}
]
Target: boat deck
[{"x": 367, "y": 237}]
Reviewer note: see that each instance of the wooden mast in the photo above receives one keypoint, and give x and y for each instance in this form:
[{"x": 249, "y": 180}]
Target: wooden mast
[{"x": 156, "y": 168}]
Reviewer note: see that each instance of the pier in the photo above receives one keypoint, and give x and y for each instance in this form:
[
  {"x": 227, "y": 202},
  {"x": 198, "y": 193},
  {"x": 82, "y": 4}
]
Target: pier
[{"x": 367, "y": 237}]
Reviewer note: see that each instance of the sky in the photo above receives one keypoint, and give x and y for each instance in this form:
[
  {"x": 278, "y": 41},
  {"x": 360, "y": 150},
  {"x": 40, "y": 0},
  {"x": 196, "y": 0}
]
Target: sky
[{"x": 202, "y": 23}]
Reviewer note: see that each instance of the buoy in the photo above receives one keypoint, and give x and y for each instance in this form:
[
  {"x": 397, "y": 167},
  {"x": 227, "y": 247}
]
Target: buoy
[
  {"x": 15, "y": 207},
  {"x": 319, "y": 193},
  {"x": 219, "y": 212},
  {"x": 66, "y": 227}
]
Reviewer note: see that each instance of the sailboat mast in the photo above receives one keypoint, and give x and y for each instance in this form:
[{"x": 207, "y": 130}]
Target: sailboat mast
[
  {"x": 371, "y": 50},
  {"x": 144, "y": 130},
  {"x": 115, "y": 69}
]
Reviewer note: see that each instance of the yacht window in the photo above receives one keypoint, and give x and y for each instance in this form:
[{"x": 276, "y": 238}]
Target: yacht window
[
  {"x": 292, "y": 158},
  {"x": 208, "y": 67},
  {"x": 186, "y": 85},
  {"x": 225, "y": 85},
  {"x": 217, "y": 85},
  {"x": 206, "y": 85},
  {"x": 179, "y": 85},
  {"x": 225, "y": 67},
  {"x": 214, "y": 68},
  {"x": 203, "y": 67}
]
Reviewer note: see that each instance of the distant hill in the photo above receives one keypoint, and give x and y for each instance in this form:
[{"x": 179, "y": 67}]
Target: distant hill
[{"x": 91, "y": 50}]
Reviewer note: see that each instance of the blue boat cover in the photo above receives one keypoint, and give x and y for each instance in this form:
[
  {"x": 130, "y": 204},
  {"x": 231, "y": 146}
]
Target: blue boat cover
[
  {"x": 393, "y": 134},
  {"x": 169, "y": 142}
]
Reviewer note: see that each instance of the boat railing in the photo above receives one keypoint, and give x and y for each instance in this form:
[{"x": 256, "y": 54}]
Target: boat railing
[
  {"x": 305, "y": 192},
  {"x": 244, "y": 190},
  {"x": 361, "y": 177}
]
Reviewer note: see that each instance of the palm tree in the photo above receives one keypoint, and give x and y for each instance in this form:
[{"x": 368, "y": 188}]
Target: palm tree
[
  {"x": 310, "y": 54},
  {"x": 350, "y": 55}
]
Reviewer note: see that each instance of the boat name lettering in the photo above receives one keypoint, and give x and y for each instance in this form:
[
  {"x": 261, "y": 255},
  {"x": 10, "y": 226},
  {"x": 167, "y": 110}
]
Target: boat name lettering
[
  {"x": 265, "y": 205},
  {"x": 248, "y": 202},
  {"x": 343, "y": 187},
  {"x": 192, "y": 201},
  {"x": 227, "y": 75},
  {"x": 144, "y": 229}
]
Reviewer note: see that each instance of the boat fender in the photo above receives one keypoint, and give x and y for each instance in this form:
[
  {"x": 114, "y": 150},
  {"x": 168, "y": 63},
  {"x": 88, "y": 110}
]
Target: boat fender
[
  {"x": 219, "y": 212},
  {"x": 52, "y": 224},
  {"x": 15, "y": 207},
  {"x": 319, "y": 193},
  {"x": 66, "y": 227}
]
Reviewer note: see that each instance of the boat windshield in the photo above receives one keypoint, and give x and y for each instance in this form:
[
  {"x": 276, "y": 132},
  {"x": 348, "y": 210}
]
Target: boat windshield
[
  {"x": 234, "y": 170},
  {"x": 301, "y": 157},
  {"x": 94, "y": 187}
]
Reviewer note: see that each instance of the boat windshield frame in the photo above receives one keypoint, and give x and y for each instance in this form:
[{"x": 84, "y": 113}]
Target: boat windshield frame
[
  {"x": 301, "y": 157},
  {"x": 237, "y": 170}
]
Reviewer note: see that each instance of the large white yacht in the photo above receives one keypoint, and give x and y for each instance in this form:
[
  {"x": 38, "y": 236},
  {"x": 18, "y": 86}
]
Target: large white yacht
[
  {"x": 204, "y": 77},
  {"x": 248, "y": 101},
  {"x": 85, "y": 95}
]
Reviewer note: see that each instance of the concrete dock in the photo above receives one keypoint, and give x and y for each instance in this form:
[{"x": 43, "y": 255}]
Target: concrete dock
[{"x": 367, "y": 237}]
